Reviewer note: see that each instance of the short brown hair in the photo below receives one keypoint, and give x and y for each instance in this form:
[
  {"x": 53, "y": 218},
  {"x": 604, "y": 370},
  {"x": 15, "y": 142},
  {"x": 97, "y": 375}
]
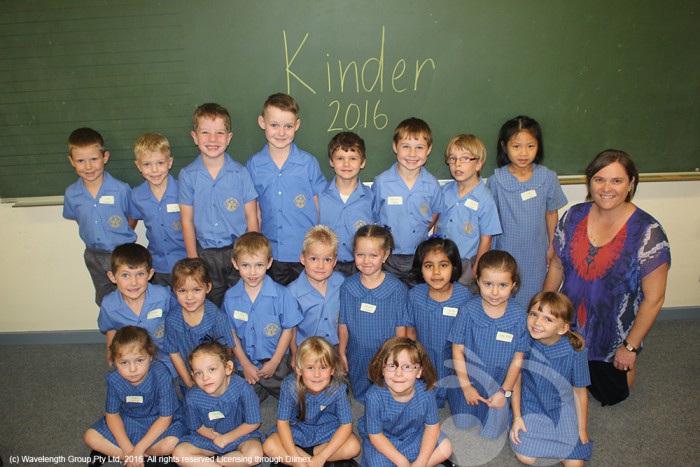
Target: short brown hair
[
  {"x": 131, "y": 255},
  {"x": 283, "y": 102},
  {"x": 151, "y": 142},
  {"x": 252, "y": 243},
  {"x": 195, "y": 268},
  {"x": 128, "y": 337},
  {"x": 413, "y": 128},
  {"x": 347, "y": 141},
  {"x": 212, "y": 111},
  {"x": 391, "y": 350},
  {"x": 83, "y": 137}
]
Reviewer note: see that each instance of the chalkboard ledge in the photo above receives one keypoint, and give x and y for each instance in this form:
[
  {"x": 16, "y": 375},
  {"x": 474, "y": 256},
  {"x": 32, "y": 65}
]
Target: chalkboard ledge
[{"x": 34, "y": 201}]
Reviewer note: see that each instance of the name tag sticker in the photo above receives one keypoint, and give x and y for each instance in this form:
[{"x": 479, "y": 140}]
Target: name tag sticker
[
  {"x": 240, "y": 315},
  {"x": 106, "y": 199},
  {"x": 157, "y": 313},
  {"x": 368, "y": 308},
  {"x": 504, "y": 336},
  {"x": 135, "y": 399},
  {"x": 215, "y": 415},
  {"x": 449, "y": 311},
  {"x": 471, "y": 204},
  {"x": 172, "y": 207},
  {"x": 394, "y": 200},
  {"x": 528, "y": 195}
]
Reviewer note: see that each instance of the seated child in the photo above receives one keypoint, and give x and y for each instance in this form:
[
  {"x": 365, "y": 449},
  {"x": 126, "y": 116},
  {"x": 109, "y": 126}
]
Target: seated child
[
  {"x": 217, "y": 198},
  {"x": 550, "y": 399},
  {"x": 156, "y": 202},
  {"x": 263, "y": 314},
  {"x": 401, "y": 424},
  {"x": 346, "y": 203},
  {"x": 314, "y": 420},
  {"x": 469, "y": 216},
  {"x": 100, "y": 204},
  {"x": 407, "y": 198},
  {"x": 288, "y": 181},
  {"x": 196, "y": 320},
  {"x": 142, "y": 414},
  {"x": 136, "y": 301},
  {"x": 223, "y": 414},
  {"x": 317, "y": 289}
]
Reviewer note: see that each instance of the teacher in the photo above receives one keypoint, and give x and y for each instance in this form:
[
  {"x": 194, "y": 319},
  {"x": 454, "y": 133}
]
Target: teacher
[{"x": 613, "y": 259}]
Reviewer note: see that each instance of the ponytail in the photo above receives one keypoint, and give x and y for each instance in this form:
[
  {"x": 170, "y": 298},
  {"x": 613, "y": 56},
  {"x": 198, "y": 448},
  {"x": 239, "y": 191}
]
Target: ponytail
[{"x": 576, "y": 340}]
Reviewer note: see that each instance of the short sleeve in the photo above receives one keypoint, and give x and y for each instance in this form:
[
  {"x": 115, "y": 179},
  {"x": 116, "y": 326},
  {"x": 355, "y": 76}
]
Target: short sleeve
[
  {"x": 458, "y": 330},
  {"x": 185, "y": 189},
  {"x": 654, "y": 250},
  {"x": 165, "y": 391},
  {"x": 171, "y": 338},
  {"x": 222, "y": 327},
  {"x": 344, "y": 408},
  {"x": 431, "y": 408},
  {"x": 247, "y": 186},
  {"x": 556, "y": 198},
  {"x": 580, "y": 376},
  {"x": 251, "y": 404},
  {"x": 288, "y": 400},
  {"x": 104, "y": 323},
  {"x": 316, "y": 178},
  {"x": 112, "y": 402},
  {"x": 290, "y": 315},
  {"x": 373, "y": 412},
  {"x": 194, "y": 421}
]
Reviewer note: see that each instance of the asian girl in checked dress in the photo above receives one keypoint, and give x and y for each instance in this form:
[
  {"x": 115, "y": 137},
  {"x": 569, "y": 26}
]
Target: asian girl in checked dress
[
  {"x": 401, "y": 425},
  {"x": 314, "y": 420},
  {"x": 550, "y": 399},
  {"x": 223, "y": 413},
  {"x": 142, "y": 413},
  {"x": 372, "y": 306},
  {"x": 488, "y": 342},
  {"x": 433, "y": 305}
]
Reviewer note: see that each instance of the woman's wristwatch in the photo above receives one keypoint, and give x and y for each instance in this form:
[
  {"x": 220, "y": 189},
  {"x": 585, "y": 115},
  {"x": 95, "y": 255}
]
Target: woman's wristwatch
[
  {"x": 505, "y": 392},
  {"x": 629, "y": 346}
]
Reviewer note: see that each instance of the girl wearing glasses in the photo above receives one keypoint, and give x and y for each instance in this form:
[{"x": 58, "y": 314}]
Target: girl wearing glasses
[{"x": 401, "y": 426}]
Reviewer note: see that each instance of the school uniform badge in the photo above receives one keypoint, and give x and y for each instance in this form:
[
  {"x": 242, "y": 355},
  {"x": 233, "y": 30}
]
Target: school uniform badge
[
  {"x": 468, "y": 227},
  {"x": 231, "y": 204},
  {"x": 300, "y": 200},
  {"x": 359, "y": 223},
  {"x": 271, "y": 329},
  {"x": 115, "y": 221},
  {"x": 177, "y": 224}
]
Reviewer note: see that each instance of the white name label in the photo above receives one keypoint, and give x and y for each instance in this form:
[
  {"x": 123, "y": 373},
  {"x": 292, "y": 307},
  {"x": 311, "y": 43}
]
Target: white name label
[
  {"x": 394, "y": 200},
  {"x": 107, "y": 199},
  {"x": 135, "y": 399},
  {"x": 504, "y": 336},
  {"x": 471, "y": 204},
  {"x": 528, "y": 195},
  {"x": 449, "y": 311},
  {"x": 368, "y": 308},
  {"x": 157, "y": 313},
  {"x": 215, "y": 415},
  {"x": 172, "y": 207},
  {"x": 240, "y": 315}
]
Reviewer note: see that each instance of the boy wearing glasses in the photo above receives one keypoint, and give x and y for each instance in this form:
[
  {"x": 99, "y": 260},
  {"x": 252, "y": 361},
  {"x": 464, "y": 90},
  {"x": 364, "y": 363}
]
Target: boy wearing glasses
[{"x": 469, "y": 216}]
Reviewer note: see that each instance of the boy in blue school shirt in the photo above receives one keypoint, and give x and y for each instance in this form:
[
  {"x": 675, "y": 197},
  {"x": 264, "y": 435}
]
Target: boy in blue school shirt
[
  {"x": 346, "y": 203},
  {"x": 100, "y": 204},
  {"x": 217, "y": 199},
  {"x": 288, "y": 181},
  {"x": 263, "y": 314},
  {"x": 407, "y": 198},
  {"x": 156, "y": 202},
  {"x": 317, "y": 289},
  {"x": 136, "y": 302}
]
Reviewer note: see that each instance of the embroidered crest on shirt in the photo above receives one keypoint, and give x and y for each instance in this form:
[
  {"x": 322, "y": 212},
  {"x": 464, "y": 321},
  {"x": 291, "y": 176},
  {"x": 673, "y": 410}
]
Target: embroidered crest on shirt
[
  {"x": 359, "y": 223},
  {"x": 272, "y": 329},
  {"x": 300, "y": 200},
  {"x": 231, "y": 204},
  {"x": 159, "y": 331},
  {"x": 177, "y": 224},
  {"x": 424, "y": 209},
  {"x": 468, "y": 227},
  {"x": 115, "y": 221}
]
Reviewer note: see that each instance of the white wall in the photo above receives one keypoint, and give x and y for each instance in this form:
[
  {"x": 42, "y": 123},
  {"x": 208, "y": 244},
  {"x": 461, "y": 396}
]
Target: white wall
[{"x": 45, "y": 286}]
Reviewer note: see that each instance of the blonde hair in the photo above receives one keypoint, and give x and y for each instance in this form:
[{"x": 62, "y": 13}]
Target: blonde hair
[
  {"x": 389, "y": 352},
  {"x": 323, "y": 235},
  {"x": 326, "y": 354},
  {"x": 560, "y": 307},
  {"x": 151, "y": 142},
  {"x": 466, "y": 143},
  {"x": 252, "y": 243}
]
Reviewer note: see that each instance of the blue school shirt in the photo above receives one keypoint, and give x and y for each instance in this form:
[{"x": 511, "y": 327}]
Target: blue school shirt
[
  {"x": 163, "y": 224},
  {"x": 219, "y": 213},
  {"x": 346, "y": 217},
  {"x": 182, "y": 338},
  {"x": 103, "y": 220},
  {"x": 115, "y": 314},
  {"x": 464, "y": 220},
  {"x": 286, "y": 198},
  {"x": 408, "y": 213},
  {"x": 320, "y": 314},
  {"x": 259, "y": 325}
]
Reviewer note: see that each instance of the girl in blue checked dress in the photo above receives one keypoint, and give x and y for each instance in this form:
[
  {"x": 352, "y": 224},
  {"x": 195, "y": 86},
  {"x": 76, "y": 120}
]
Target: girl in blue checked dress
[
  {"x": 433, "y": 305},
  {"x": 314, "y": 421},
  {"x": 528, "y": 197},
  {"x": 223, "y": 413},
  {"x": 142, "y": 413},
  {"x": 401, "y": 425},
  {"x": 372, "y": 306},
  {"x": 488, "y": 343},
  {"x": 550, "y": 400}
]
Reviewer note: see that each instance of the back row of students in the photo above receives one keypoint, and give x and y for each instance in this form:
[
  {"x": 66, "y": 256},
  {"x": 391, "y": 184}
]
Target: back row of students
[{"x": 281, "y": 192}]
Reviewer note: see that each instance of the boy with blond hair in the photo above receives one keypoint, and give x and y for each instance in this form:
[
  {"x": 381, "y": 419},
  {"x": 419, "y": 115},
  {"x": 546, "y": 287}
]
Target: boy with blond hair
[
  {"x": 407, "y": 198},
  {"x": 217, "y": 198},
  {"x": 346, "y": 203},
  {"x": 288, "y": 181},
  {"x": 469, "y": 216},
  {"x": 156, "y": 202},
  {"x": 100, "y": 204},
  {"x": 263, "y": 314}
]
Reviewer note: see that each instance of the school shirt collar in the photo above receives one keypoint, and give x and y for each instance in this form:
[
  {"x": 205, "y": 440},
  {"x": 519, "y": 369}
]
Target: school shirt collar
[
  {"x": 360, "y": 191},
  {"x": 147, "y": 194},
  {"x": 334, "y": 281},
  {"x": 267, "y": 289},
  {"x": 294, "y": 157}
]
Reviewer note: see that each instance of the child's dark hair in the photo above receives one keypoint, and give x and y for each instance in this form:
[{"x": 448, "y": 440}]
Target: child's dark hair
[
  {"x": 389, "y": 352},
  {"x": 347, "y": 141},
  {"x": 327, "y": 355},
  {"x": 211, "y": 111},
  {"x": 131, "y": 255},
  {"x": 437, "y": 243},
  {"x": 83, "y": 137},
  {"x": 131, "y": 336},
  {"x": 560, "y": 307},
  {"x": 375, "y": 231},
  {"x": 499, "y": 260},
  {"x": 510, "y": 129},
  {"x": 413, "y": 128},
  {"x": 211, "y": 348},
  {"x": 195, "y": 268}
]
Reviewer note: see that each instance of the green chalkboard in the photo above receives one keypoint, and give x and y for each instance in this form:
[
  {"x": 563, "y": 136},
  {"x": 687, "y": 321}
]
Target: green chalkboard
[{"x": 596, "y": 74}]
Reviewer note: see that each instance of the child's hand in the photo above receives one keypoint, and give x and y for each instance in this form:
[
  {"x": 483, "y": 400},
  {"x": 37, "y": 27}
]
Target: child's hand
[
  {"x": 344, "y": 363},
  {"x": 497, "y": 400},
  {"x": 584, "y": 437},
  {"x": 134, "y": 458},
  {"x": 250, "y": 373},
  {"x": 220, "y": 441},
  {"x": 518, "y": 425},
  {"x": 267, "y": 370},
  {"x": 472, "y": 396}
]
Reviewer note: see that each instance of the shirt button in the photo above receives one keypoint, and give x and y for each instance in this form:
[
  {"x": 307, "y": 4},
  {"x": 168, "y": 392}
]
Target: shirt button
[{"x": 279, "y": 193}]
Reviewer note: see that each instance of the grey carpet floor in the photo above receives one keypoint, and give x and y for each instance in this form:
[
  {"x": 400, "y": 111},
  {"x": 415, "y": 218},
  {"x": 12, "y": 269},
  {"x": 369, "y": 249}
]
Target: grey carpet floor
[{"x": 52, "y": 393}]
